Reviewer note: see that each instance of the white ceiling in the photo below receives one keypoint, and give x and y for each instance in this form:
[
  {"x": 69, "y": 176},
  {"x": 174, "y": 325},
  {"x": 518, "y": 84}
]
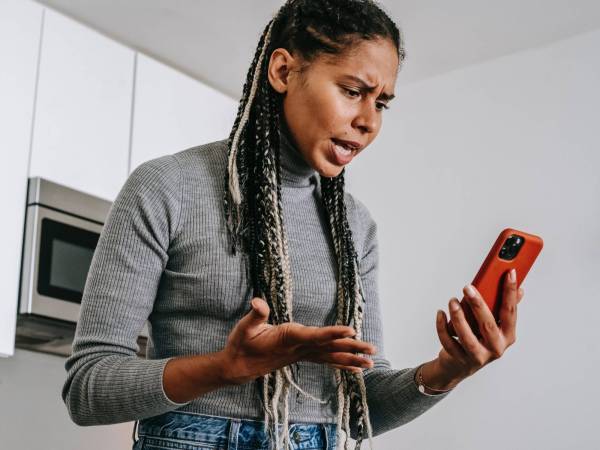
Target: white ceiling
[{"x": 214, "y": 41}]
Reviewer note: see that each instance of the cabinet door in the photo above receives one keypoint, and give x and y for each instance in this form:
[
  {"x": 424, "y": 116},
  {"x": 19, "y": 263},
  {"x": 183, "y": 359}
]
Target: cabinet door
[
  {"x": 82, "y": 118},
  {"x": 173, "y": 112},
  {"x": 20, "y": 25}
]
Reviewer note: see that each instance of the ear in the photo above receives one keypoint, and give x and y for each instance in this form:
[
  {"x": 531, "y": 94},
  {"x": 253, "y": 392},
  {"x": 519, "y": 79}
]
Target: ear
[{"x": 281, "y": 64}]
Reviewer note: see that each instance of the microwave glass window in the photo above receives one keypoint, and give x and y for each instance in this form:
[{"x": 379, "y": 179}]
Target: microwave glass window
[
  {"x": 70, "y": 264},
  {"x": 65, "y": 257}
]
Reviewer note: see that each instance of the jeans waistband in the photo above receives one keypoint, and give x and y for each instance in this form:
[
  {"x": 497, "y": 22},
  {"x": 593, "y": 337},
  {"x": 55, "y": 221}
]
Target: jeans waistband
[{"x": 232, "y": 433}]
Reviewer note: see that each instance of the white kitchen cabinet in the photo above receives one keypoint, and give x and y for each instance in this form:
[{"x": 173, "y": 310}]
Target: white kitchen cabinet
[
  {"x": 83, "y": 111},
  {"x": 20, "y": 25},
  {"x": 173, "y": 112}
]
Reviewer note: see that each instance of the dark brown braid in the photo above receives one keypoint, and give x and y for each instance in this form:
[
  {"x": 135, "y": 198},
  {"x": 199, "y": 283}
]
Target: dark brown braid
[{"x": 253, "y": 195}]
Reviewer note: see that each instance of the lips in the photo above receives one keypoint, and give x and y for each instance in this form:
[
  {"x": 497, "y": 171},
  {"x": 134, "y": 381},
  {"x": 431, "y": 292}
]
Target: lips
[
  {"x": 342, "y": 151},
  {"x": 350, "y": 145}
]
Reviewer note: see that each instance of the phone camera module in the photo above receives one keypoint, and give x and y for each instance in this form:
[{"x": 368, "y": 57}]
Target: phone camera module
[{"x": 510, "y": 248}]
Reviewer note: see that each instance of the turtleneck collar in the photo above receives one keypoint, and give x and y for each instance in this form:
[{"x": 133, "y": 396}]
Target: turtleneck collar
[{"x": 295, "y": 171}]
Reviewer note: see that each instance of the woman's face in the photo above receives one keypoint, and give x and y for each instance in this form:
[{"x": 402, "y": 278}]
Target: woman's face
[{"x": 334, "y": 108}]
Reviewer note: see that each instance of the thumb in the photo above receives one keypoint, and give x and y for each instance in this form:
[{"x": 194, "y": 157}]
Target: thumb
[{"x": 259, "y": 312}]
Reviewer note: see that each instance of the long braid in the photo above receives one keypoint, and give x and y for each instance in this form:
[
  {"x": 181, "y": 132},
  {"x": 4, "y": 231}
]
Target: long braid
[
  {"x": 237, "y": 145},
  {"x": 350, "y": 300},
  {"x": 253, "y": 198},
  {"x": 271, "y": 271}
]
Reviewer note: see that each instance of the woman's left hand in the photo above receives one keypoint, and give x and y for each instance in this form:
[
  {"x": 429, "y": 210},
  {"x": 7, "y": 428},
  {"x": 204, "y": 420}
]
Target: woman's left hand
[{"x": 462, "y": 357}]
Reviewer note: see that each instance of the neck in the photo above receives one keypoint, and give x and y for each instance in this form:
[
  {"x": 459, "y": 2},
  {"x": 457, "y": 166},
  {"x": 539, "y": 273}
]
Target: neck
[{"x": 295, "y": 171}]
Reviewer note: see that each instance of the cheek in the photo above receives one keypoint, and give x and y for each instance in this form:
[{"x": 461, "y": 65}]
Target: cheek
[
  {"x": 333, "y": 113},
  {"x": 308, "y": 110}
]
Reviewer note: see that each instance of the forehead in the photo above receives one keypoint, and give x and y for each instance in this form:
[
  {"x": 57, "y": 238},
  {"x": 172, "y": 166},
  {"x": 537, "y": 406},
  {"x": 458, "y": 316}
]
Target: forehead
[{"x": 375, "y": 61}]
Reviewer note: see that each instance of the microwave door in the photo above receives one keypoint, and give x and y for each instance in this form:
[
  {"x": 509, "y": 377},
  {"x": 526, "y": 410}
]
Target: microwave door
[{"x": 62, "y": 247}]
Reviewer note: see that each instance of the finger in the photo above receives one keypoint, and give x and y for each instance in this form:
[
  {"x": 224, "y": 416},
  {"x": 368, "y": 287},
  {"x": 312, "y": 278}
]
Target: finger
[
  {"x": 349, "y": 345},
  {"x": 508, "y": 309},
  {"x": 520, "y": 295},
  {"x": 467, "y": 338},
  {"x": 485, "y": 319},
  {"x": 258, "y": 314},
  {"x": 316, "y": 336},
  {"x": 447, "y": 341},
  {"x": 450, "y": 327},
  {"x": 344, "y": 359},
  {"x": 350, "y": 368}
]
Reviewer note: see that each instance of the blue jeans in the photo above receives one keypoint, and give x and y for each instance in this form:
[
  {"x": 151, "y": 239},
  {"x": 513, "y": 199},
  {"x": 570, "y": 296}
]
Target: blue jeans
[{"x": 179, "y": 430}]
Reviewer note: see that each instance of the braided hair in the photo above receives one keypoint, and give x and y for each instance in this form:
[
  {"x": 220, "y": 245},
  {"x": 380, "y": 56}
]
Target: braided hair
[{"x": 252, "y": 194}]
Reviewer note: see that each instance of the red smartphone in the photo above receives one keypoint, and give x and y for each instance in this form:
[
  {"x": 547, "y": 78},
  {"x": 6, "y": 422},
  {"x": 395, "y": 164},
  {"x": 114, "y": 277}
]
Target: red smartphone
[{"x": 513, "y": 248}]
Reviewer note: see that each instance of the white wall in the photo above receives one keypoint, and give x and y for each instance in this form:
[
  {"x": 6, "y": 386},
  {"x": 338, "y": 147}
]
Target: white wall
[{"x": 513, "y": 143}]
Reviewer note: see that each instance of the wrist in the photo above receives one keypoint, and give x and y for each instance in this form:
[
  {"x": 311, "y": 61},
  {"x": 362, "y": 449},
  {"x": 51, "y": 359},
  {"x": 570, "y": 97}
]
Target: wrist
[
  {"x": 435, "y": 377},
  {"x": 188, "y": 377},
  {"x": 232, "y": 372},
  {"x": 224, "y": 369}
]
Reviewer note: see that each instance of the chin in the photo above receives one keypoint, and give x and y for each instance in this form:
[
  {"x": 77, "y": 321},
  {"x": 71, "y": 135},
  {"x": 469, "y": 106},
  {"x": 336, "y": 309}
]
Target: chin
[
  {"x": 326, "y": 168},
  {"x": 331, "y": 172}
]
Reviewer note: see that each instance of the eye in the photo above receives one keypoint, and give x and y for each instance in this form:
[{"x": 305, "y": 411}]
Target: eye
[
  {"x": 351, "y": 92},
  {"x": 380, "y": 106}
]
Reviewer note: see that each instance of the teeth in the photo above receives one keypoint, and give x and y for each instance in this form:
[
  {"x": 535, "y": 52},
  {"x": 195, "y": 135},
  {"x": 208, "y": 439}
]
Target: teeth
[{"x": 342, "y": 150}]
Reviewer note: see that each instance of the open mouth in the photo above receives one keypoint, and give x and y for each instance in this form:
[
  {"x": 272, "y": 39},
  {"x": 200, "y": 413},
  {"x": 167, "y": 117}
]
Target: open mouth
[
  {"x": 345, "y": 144},
  {"x": 342, "y": 151}
]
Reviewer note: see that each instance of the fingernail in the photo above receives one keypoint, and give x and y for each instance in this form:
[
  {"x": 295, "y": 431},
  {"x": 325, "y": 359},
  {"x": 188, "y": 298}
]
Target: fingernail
[
  {"x": 470, "y": 290},
  {"x": 512, "y": 275},
  {"x": 454, "y": 306}
]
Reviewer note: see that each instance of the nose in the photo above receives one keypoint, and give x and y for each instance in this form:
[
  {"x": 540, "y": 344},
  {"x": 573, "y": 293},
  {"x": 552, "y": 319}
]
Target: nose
[{"x": 366, "y": 120}]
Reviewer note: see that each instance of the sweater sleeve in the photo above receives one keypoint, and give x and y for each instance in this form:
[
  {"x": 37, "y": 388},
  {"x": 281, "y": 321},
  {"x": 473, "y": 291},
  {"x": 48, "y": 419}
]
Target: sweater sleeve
[
  {"x": 392, "y": 394},
  {"x": 106, "y": 381}
]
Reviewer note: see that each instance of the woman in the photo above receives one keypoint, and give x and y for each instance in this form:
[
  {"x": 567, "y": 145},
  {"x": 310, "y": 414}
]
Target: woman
[{"x": 262, "y": 218}]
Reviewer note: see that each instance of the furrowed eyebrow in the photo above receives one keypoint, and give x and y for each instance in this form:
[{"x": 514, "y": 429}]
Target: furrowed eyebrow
[{"x": 368, "y": 88}]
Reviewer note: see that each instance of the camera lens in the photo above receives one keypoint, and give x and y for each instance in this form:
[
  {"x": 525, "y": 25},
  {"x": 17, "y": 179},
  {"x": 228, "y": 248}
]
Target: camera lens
[{"x": 511, "y": 247}]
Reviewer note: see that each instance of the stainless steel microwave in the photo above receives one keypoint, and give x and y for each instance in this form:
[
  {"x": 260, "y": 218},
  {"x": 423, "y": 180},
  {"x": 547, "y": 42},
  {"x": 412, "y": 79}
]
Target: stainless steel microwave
[{"x": 62, "y": 228}]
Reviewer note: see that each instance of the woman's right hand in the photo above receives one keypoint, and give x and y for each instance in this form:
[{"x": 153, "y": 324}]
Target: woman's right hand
[{"x": 255, "y": 348}]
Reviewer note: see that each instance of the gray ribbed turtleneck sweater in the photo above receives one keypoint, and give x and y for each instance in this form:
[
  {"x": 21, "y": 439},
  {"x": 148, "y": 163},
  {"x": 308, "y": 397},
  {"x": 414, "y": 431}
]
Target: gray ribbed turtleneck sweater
[{"x": 163, "y": 256}]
